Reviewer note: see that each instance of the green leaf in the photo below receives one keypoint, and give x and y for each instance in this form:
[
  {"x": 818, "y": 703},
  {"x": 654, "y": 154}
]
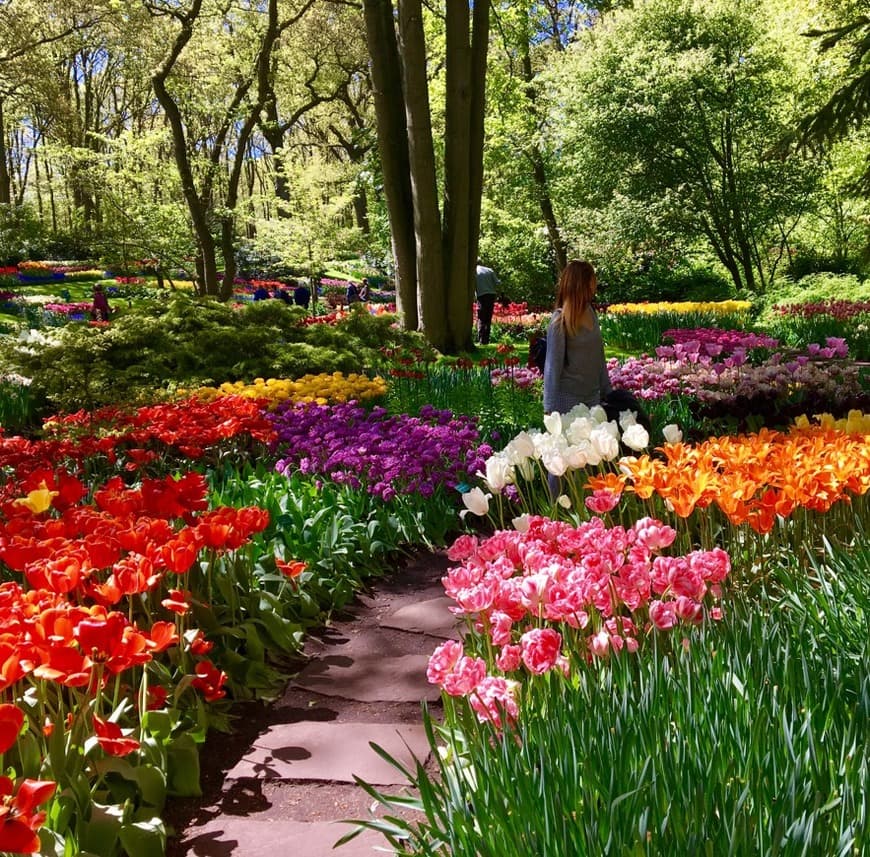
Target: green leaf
[
  {"x": 183, "y": 773},
  {"x": 158, "y": 723},
  {"x": 30, "y": 755},
  {"x": 99, "y": 835},
  {"x": 144, "y": 838}
]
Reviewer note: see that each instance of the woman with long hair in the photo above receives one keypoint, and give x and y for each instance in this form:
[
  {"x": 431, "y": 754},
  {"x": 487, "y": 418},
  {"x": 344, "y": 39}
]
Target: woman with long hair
[{"x": 575, "y": 370}]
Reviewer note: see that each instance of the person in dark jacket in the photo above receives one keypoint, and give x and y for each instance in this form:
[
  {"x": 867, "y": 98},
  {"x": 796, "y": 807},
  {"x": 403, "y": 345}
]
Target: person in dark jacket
[
  {"x": 486, "y": 286},
  {"x": 301, "y": 295}
]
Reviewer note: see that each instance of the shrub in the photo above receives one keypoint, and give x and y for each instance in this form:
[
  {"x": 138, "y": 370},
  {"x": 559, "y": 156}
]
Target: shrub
[
  {"x": 193, "y": 342},
  {"x": 659, "y": 283}
]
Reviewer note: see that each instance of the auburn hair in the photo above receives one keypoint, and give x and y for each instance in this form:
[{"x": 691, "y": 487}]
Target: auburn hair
[{"x": 575, "y": 291}]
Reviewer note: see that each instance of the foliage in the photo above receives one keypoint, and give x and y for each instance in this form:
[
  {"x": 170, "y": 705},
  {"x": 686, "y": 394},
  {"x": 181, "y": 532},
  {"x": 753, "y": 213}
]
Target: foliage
[
  {"x": 848, "y": 107},
  {"x": 661, "y": 282},
  {"x": 663, "y": 115},
  {"x": 22, "y": 234},
  {"x": 816, "y": 287},
  {"x": 641, "y": 326},
  {"x": 819, "y": 306},
  {"x": 500, "y": 409},
  {"x": 513, "y": 246},
  {"x": 798, "y": 324},
  {"x": 18, "y": 407},
  {"x": 188, "y": 342}
]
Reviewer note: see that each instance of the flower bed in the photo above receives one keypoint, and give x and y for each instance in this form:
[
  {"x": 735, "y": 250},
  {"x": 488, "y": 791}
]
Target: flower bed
[
  {"x": 382, "y": 454},
  {"x": 553, "y": 596},
  {"x": 322, "y": 388},
  {"x": 100, "y": 652}
]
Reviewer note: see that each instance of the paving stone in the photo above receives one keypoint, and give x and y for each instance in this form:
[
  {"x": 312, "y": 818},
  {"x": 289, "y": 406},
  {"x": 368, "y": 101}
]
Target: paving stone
[
  {"x": 430, "y": 589},
  {"x": 369, "y": 676},
  {"x": 333, "y": 751},
  {"x": 372, "y": 639},
  {"x": 426, "y": 617},
  {"x": 230, "y": 836}
]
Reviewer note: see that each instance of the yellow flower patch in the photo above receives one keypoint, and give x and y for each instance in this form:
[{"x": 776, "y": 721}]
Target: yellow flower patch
[
  {"x": 323, "y": 388},
  {"x": 681, "y": 308}
]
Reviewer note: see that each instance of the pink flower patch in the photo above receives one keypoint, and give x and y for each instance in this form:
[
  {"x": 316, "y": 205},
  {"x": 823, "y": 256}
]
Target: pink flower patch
[
  {"x": 509, "y": 658},
  {"x": 466, "y": 676},
  {"x": 443, "y": 660},
  {"x": 462, "y": 548},
  {"x": 662, "y": 614}
]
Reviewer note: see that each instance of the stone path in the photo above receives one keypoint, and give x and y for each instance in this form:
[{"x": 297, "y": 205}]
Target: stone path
[{"x": 364, "y": 682}]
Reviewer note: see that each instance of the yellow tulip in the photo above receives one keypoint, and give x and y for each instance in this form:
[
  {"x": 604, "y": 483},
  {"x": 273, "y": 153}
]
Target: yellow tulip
[{"x": 38, "y": 500}]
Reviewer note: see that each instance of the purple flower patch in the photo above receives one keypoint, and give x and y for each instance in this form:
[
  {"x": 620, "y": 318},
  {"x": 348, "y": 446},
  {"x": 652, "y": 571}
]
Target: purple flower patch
[{"x": 383, "y": 454}]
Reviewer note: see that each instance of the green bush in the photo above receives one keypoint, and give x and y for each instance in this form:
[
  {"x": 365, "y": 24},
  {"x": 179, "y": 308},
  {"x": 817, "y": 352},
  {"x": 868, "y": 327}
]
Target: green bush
[
  {"x": 188, "y": 342},
  {"x": 816, "y": 287},
  {"x": 659, "y": 283},
  {"x": 519, "y": 255}
]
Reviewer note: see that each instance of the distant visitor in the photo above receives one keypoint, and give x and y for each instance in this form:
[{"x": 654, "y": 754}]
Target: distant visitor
[
  {"x": 100, "y": 307},
  {"x": 487, "y": 289}
]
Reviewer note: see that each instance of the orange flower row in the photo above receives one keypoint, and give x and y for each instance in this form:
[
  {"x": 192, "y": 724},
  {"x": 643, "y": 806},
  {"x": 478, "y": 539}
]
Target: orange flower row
[{"x": 751, "y": 478}]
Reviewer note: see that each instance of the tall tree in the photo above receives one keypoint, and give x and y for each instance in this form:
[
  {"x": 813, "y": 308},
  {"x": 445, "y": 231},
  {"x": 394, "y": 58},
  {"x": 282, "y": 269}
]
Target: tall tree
[
  {"x": 848, "y": 107},
  {"x": 678, "y": 104},
  {"x": 317, "y": 65},
  {"x": 27, "y": 29},
  {"x": 226, "y": 135},
  {"x": 434, "y": 240}
]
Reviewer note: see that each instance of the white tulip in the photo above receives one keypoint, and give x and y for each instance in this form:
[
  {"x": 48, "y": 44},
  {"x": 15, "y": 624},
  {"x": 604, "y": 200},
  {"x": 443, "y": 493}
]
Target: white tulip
[
  {"x": 672, "y": 433},
  {"x": 578, "y": 411},
  {"x": 578, "y": 455},
  {"x": 521, "y": 523},
  {"x": 598, "y": 414},
  {"x": 523, "y": 445},
  {"x": 579, "y": 429},
  {"x": 604, "y": 444},
  {"x": 555, "y": 462},
  {"x": 564, "y": 501},
  {"x": 636, "y": 437},
  {"x": 626, "y": 419},
  {"x": 498, "y": 472},
  {"x": 553, "y": 423},
  {"x": 476, "y": 502}
]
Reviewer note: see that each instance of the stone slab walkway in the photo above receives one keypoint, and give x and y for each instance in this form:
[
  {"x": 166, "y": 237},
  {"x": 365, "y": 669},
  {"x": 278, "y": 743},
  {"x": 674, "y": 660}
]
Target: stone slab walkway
[{"x": 290, "y": 789}]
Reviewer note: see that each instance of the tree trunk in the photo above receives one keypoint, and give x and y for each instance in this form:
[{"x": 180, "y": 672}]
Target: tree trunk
[
  {"x": 444, "y": 251},
  {"x": 393, "y": 149},
  {"x": 196, "y": 206},
  {"x": 457, "y": 177},
  {"x": 424, "y": 183},
  {"x": 361, "y": 210},
  {"x": 479, "y": 51},
  {"x": 274, "y": 135},
  {"x": 5, "y": 182},
  {"x": 463, "y": 167},
  {"x": 539, "y": 171}
]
